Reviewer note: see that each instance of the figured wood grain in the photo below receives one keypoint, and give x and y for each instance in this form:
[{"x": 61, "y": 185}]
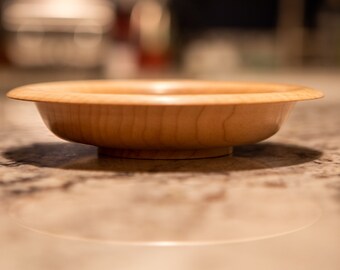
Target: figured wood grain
[
  {"x": 163, "y": 120},
  {"x": 137, "y": 131}
]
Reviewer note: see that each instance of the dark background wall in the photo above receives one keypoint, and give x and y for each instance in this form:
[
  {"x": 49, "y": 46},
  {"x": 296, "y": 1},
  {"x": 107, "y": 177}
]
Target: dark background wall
[{"x": 192, "y": 15}]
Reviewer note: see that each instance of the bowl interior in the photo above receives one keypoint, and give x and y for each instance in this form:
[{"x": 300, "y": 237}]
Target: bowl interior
[
  {"x": 176, "y": 88},
  {"x": 168, "y": 92}
]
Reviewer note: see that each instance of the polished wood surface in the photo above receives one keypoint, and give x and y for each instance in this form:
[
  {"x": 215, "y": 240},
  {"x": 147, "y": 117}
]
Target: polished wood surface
[
  {"x": 187, "y": 129},
  {"x": 216, "y": 116},
  {"x": 166, "y": 92}
]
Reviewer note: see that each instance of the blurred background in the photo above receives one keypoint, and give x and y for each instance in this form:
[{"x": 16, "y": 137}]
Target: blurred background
[
  {"x": 161, "y": 38},
  {"x": 286, "y": 41}
]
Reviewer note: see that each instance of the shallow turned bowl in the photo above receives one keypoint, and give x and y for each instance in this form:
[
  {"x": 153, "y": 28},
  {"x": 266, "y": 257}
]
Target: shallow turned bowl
[{"x": 163, "y": 119}]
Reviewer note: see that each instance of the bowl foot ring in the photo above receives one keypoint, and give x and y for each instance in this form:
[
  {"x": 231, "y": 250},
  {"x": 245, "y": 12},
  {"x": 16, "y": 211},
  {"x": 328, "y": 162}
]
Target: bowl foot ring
[{"x": 165, "y": 154}]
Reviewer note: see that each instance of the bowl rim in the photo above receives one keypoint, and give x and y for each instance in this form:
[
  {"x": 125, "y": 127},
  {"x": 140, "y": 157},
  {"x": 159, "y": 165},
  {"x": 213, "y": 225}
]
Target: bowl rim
[{"x": 158, "y": 92}]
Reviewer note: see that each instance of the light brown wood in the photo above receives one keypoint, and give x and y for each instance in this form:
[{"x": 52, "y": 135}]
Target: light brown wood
[
  {"x": 176, "y": 92},
  {"x": 163, "y": 120}
]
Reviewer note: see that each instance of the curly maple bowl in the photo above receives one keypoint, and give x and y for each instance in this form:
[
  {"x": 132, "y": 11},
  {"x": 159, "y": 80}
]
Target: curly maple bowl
[{"x": 163, "y": 119}]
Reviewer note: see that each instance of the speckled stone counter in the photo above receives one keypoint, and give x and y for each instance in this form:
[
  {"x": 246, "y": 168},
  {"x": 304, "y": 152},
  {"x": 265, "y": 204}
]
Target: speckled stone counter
[{"x": 274, "y": 205}]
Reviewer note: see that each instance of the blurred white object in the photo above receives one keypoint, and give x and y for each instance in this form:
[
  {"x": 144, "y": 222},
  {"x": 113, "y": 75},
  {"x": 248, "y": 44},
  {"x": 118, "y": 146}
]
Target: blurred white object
[
  {"x": 211, "y": 57},
  {"x": 57, "y": 32}
]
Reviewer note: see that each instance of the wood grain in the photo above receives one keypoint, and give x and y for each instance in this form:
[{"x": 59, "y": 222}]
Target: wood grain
[
  {"x": 144, "y": 131},
  {"x": 153, "y": 92},
  {"x": 163, "y": 120}
]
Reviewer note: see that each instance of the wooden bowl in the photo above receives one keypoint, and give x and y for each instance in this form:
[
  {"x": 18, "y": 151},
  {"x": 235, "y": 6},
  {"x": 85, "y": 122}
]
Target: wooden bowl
[{"x": 163, "y": 119}]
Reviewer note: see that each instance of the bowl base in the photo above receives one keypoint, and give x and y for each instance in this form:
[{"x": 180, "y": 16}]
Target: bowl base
[{"x": 165, "y": 154}]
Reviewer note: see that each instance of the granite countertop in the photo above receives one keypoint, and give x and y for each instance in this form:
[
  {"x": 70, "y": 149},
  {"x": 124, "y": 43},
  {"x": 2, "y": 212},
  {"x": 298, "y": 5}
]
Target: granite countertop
[{"x": 273, "y": 205}]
